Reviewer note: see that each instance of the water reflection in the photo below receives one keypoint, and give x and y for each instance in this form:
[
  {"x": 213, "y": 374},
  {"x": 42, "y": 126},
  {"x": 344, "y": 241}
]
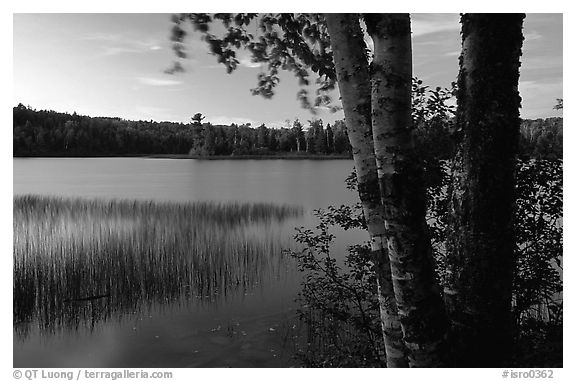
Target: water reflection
[{"x": 78, "y": 263}]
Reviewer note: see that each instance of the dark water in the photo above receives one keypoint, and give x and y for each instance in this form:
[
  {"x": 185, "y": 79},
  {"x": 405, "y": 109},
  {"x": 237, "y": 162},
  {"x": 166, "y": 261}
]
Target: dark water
[{"x": 249, "y": 327}]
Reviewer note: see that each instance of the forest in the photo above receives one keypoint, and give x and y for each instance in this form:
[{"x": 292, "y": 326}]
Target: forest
[{"x": 51, "y": 133}]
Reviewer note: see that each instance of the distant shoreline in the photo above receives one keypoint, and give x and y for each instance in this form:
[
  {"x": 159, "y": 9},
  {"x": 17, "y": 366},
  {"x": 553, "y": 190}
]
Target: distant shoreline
[{"x": 198, "y": 157}]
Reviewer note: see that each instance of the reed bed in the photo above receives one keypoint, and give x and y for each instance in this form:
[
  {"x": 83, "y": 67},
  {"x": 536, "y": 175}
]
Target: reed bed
[{"x": 81, "y": 261}]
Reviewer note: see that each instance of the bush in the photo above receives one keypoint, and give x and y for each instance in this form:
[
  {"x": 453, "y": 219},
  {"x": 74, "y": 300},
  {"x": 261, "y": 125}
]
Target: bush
[{"x": 338, "y": 300}]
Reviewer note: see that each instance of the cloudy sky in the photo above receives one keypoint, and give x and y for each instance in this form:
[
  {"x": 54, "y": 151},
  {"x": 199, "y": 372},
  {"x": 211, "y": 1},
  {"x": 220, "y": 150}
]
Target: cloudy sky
[{"x": 113, "y": 65}]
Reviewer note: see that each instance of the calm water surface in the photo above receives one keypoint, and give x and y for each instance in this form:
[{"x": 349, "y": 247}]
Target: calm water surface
[{"x": 247, "y": 328}]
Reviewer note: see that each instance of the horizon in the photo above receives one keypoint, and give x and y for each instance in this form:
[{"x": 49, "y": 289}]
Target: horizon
[{"x": 304, "y": 126}]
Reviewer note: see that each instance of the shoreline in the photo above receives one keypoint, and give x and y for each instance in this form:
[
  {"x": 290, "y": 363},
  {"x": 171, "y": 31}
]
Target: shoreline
[{"x": 196, "y": 157}]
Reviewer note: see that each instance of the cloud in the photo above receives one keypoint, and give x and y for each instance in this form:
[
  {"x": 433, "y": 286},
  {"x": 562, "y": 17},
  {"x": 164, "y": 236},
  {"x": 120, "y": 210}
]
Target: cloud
[
  {"x": 540, "y": 63},
  {"x": 426, "y": 24},
  {"x": 152, "y": 81},
  {"x": 116, "y": 44},
  {"x": 108, "y": 51},
  {"x": 106, "y": 37},
  {"x": 532, "y": 86}
]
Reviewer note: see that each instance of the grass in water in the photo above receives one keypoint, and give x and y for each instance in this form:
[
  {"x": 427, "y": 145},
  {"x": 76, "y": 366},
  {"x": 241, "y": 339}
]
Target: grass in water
[{"x": 79, "y": 261}]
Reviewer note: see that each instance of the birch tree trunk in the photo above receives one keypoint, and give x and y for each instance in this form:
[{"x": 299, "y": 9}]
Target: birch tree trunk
[
  {"x": 419, "y": 302},
  {"x": 351, "y": 64},
  {"x": 481, "y": 246}
]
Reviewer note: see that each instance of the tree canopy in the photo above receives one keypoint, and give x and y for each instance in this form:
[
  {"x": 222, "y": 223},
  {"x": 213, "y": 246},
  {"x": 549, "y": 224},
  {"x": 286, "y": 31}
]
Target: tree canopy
[{"x": 298, "y": 43}]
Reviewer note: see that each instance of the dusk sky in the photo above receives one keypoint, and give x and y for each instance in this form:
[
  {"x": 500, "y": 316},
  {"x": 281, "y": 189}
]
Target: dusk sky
[{"x": 113, "y": 65}]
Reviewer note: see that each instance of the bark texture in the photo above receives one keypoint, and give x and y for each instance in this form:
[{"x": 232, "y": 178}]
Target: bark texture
[
  {"x": 351, "y": 64},
  {"x": 419, "y": 302},
  {"x": 481, "y": 243}
]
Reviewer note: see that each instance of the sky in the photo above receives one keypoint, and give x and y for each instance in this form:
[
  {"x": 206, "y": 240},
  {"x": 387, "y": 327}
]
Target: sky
[{"x": 113, "y": 65}]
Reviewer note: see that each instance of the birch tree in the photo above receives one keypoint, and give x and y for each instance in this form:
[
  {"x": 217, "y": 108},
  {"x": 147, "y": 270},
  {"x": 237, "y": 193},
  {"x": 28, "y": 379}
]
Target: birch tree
[
  {"x": 480, "y": 256},
  {"x": 389, "y": 178},
  {"x": 402, "y": 191},
  {"x": 376, "y": 102},
  {"x": 351, "y": 63}
]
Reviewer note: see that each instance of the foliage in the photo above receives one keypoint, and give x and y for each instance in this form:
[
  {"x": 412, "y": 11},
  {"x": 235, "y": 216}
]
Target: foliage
[
  {"x": 298, "y": 43},
  {"x": 539, "y": 246},
  {"x": 197, "y": 119},
  {"x": 538, "y": 230},
  {"x": 61, "y": 134},
  {"x": 44, "y": 132},
  {"x": 538, "y": 303},
  {"x": 338, "y": 299},
  {"x": 559, "y": 104},
  {"x": 541, "y": 138},
  {"x": 537, "y": 308},
  {"x": 433, "y": 113},
  {"x": 537, "y": 281},
  {"x": 437, "y": 216}
]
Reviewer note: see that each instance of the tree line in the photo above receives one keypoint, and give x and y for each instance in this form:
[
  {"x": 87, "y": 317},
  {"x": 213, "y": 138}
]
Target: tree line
[
  {"x": 51, "y": 133},
  {"x": 45, "y": 132},
  {"x": 210, "y": 140}
]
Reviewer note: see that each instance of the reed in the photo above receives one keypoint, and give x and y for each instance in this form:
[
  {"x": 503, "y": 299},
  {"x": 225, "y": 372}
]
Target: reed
[{"x": 81, "y": 261}]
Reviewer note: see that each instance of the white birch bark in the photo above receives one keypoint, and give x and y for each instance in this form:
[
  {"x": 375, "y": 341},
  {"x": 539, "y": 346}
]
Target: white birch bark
[
  {"x": 418, "y": 297},
  {"x": 354, "y": 84}
]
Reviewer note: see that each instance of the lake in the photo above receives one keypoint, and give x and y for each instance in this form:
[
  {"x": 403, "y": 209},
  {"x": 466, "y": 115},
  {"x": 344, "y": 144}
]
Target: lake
[{"x": 249, "y": 326}]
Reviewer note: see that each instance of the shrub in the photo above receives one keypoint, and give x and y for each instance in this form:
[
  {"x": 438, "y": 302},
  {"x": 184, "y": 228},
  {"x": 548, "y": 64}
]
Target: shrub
[{"x": 338, "y": 300}]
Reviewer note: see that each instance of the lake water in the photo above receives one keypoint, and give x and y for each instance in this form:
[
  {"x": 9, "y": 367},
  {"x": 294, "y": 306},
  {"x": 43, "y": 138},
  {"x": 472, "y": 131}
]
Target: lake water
[{"x": 249, "y": 328}]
